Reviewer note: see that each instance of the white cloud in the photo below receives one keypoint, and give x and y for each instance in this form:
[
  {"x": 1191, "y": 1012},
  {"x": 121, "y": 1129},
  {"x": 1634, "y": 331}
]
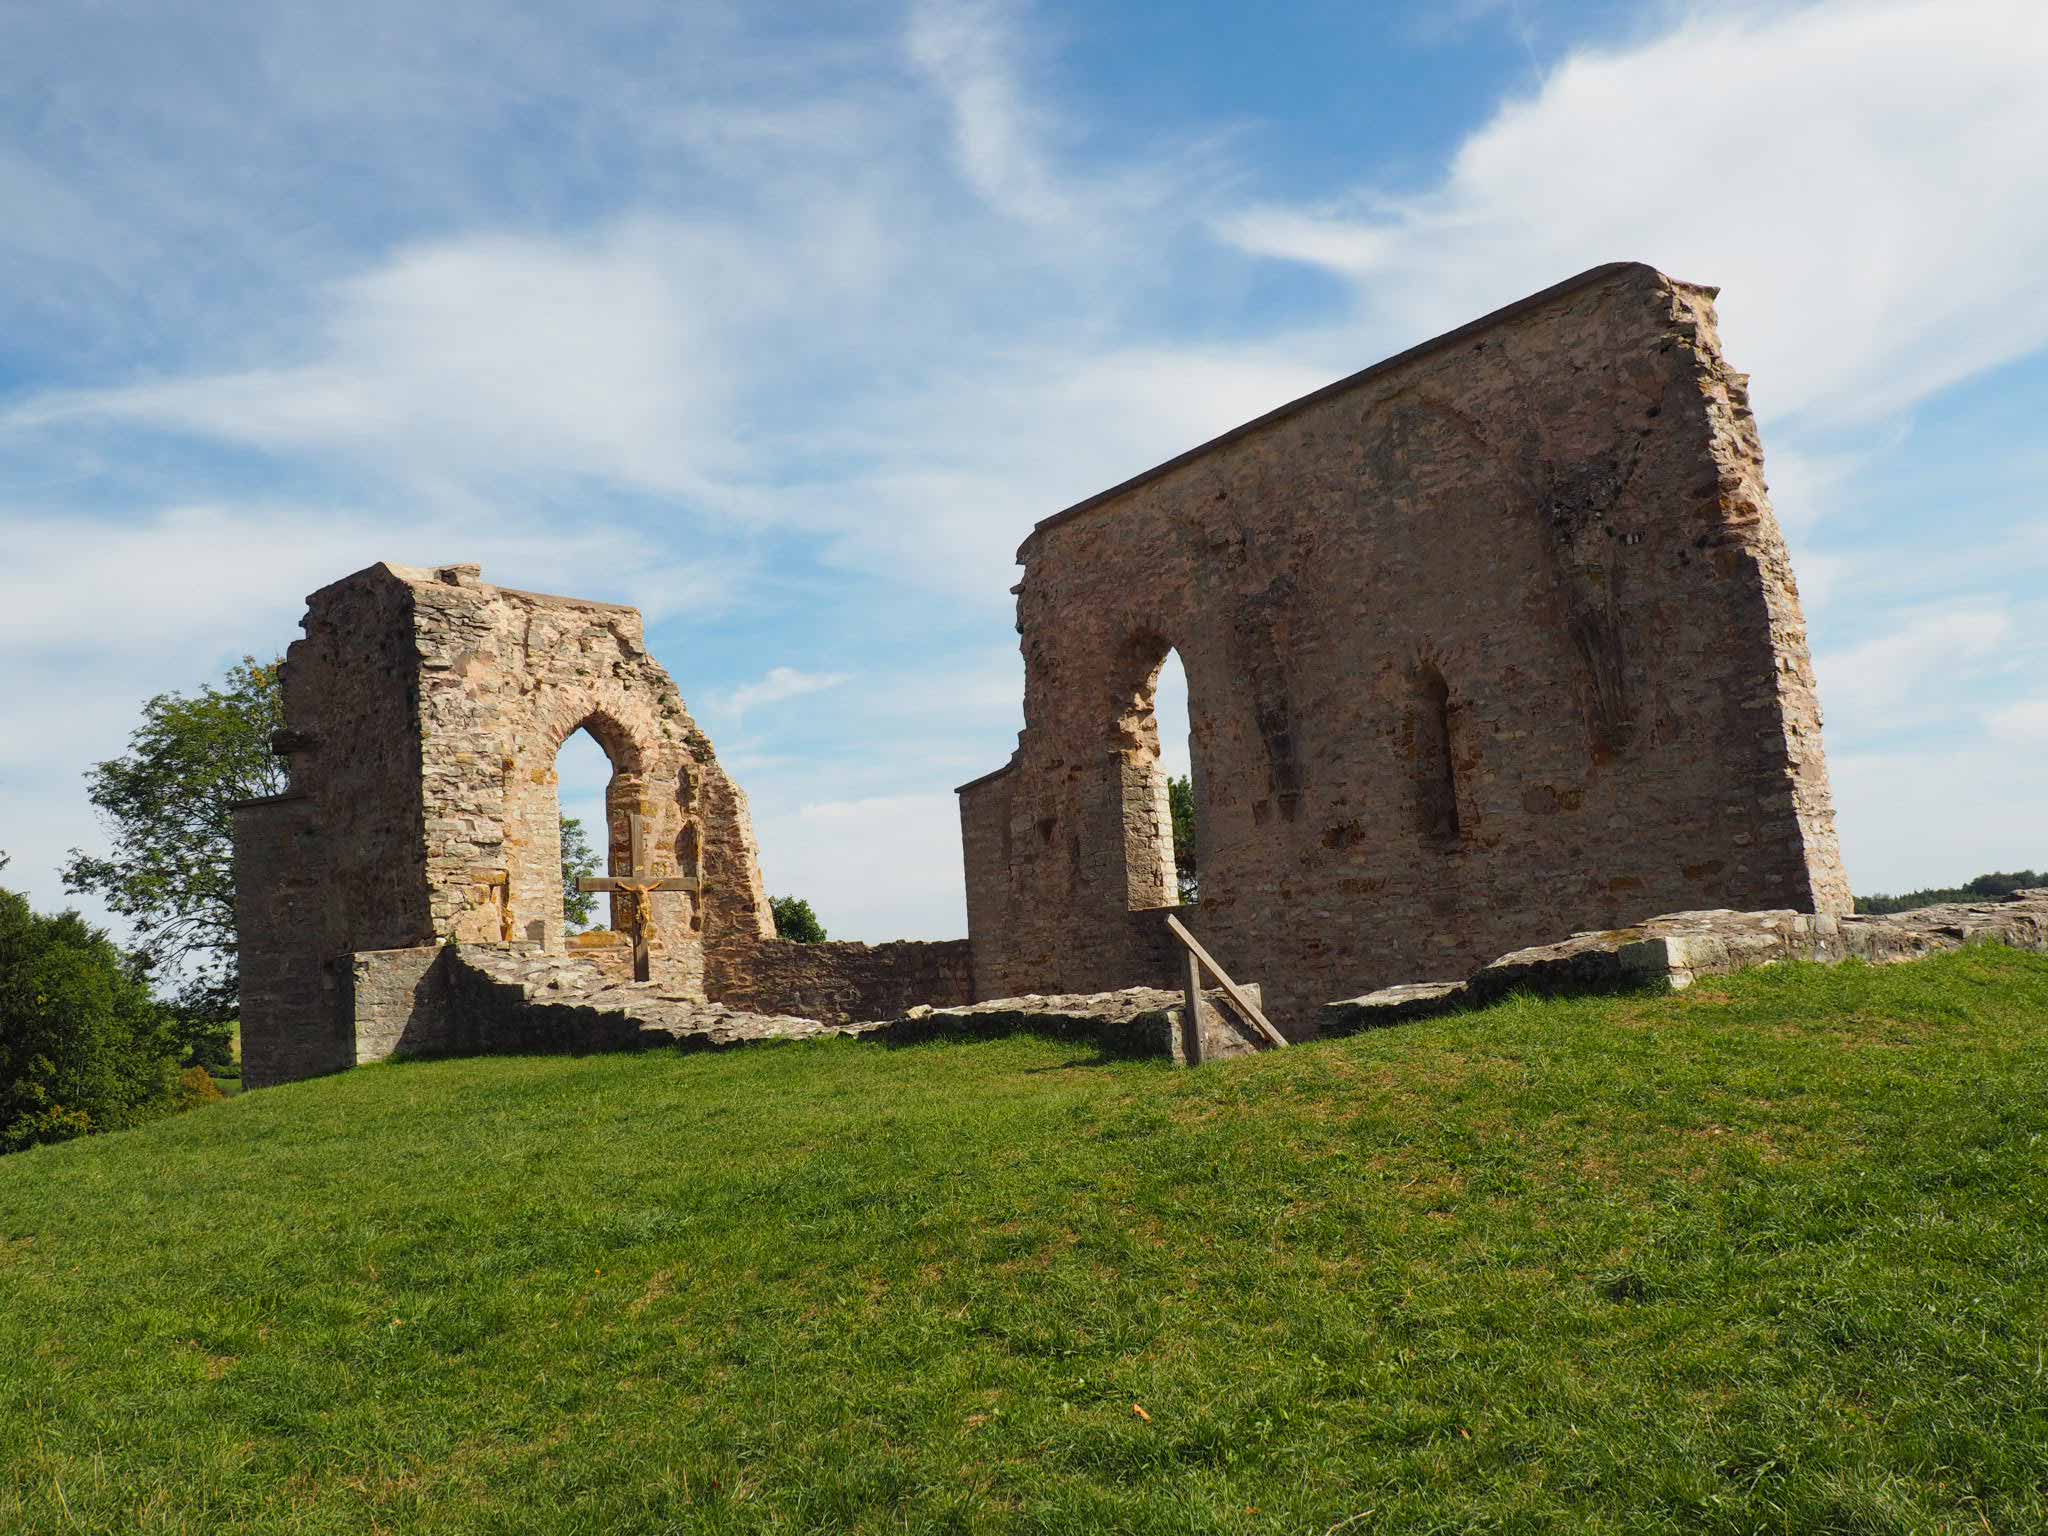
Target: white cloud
[
  {"x": 885, "y": 302},
  {"x": 778, "y": 684},
  {"x": 1863, "y": 180},
  {"x": 884, "y": 867},
  {"x": 841, "y": 350},
  {"x": 1908, "y": 674},
  {"x": 609, "y": 356},
  {"x": 1938, "y": 816},
  {"x": 964, "y": 49},
  {"x": 214, "y": 574},
  {"x": 2024, "y": 722}
]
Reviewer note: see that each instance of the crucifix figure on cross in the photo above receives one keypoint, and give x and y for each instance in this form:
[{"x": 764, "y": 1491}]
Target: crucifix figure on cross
[{"x": 633, "y": 883}]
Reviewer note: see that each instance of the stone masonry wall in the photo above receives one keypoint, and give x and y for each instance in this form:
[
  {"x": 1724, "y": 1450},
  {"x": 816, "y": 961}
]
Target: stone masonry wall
[
  {"x": 1494, "y": 640},
  {"x": 505, "y": 678},
  {"x": 424, "y": 710},
  {"x": 398, "y": 1000},
  {"x": 288, "y": 989},
  {"x": 844, "y": 983}
]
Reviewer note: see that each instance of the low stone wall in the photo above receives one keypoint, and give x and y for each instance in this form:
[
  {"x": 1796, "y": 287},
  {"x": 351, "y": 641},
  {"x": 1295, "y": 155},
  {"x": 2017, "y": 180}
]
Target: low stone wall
[
  {"x": 1675, "y": 950},
  {"x": 399, "y": 1001},
  {"x": 488, "y": 999},
  {"x": 514, "y": 998},
  {"x": 1133, "y": 1021},
  {"x": 519, "y": 999},
  {"x": 846, "y": 983}
]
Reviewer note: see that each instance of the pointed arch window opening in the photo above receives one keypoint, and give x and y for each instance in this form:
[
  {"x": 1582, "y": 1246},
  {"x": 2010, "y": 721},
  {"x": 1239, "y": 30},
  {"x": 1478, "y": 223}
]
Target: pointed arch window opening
[
  {"x": 1435, "y": 758},
  {"x": 1161, "y": 793},
  {"x": 585, "y": 776}
]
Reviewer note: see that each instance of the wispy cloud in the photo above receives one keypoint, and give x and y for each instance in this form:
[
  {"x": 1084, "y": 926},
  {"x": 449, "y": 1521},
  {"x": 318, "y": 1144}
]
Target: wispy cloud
[
  {"x": 1909, "y": 674},
  {"x": 860, "y": 300},
  {"x": 2025, "y": 721},
  {"x": 965, "y": 50},
  {"x": 778, "y": 685},
  {"x": 1825, "y": 161}
]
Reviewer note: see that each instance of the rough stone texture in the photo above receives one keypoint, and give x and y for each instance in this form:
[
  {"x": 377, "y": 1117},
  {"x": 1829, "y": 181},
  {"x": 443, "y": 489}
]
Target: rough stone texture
[
  {"x": 845, "y": 983},
  {"x": 1393, "y": 1005},
  {"x": 424, "y": 710},
  {"x": 287, "y": 982},
  {"x": 525, "y": 999},
  {"x": 519, "y": 998},
  {"x": 1494, "y": 639},
  {"x": 398, "y": 999},
  {"x": 1678, "y": 948},
  {"x": 1131, "y": 1021}
]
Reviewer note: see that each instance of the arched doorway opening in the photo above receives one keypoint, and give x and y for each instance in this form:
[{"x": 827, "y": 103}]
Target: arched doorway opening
[{"x": 1162, "y": 799}]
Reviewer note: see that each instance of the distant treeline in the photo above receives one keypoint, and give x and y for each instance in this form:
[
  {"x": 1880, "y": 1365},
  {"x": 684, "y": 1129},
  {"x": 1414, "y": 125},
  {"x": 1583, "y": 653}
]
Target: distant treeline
[{"x": 1979, "y": 889}]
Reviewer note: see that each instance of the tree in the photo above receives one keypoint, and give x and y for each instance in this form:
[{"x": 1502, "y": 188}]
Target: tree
[
  {"x": 1180, "y": 800},
  {"x": 83, "y": 1045},
  {"x": 578, "y": 860},
  {"x": 1991, "y": 887},
  {"x": 795, "y": 920},
  {"x": 167, "y": 803}
]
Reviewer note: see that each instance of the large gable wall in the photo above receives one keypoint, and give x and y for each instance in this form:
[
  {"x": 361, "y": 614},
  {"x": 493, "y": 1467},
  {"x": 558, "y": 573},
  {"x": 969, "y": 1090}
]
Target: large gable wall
[{"x": 1492, "y": 641}]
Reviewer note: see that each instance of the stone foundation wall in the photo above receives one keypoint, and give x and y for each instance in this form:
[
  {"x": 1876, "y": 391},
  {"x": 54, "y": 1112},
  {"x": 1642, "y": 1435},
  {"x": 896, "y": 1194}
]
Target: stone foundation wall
[
  {"x": 843, "y": 983},
  {"x": 1674, "y": 950},
  {"x": 288, "y": 983},
  {"x": 398, "y": 999},
  {"x": 1494, "y": 640}
]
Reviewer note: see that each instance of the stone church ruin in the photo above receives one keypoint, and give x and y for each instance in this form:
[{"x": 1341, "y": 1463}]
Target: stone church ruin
[
  {"x": 424, "y": 710},
  {"x": 1493, "y": 642}
]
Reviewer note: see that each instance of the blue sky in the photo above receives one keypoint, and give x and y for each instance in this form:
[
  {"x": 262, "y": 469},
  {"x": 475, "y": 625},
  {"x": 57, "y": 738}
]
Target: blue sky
[{"x": 785, "y": 323}]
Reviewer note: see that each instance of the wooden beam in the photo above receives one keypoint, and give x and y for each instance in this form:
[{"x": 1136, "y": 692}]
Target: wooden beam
[
  {"x": 1231, "y": 989},
  {"x": 1191, "y": 1017},
  {"x": 631, "y": 887},
  {"x": 636, "y": 827}
]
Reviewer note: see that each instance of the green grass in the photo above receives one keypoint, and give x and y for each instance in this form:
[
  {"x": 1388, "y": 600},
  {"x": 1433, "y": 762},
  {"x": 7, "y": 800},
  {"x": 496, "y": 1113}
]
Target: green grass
[{"x": 1768, "y": 1256}]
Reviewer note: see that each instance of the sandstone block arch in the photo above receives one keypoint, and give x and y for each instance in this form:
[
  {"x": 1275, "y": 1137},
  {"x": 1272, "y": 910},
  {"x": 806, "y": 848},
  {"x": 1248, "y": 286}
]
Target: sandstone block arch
[{"x": 424, "y": 711}]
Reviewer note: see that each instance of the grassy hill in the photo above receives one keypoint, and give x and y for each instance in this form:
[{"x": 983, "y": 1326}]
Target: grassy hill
[{"x": 1771, "y": 1255}]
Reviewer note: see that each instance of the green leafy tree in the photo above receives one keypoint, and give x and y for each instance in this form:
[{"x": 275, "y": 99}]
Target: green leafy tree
[
  {"x": 1180, "y": 800},
  {"x": 795, "y": 920},
  {"x": 1989, "y": 887},
  {"x": 83, "y": 1045},
  {"x": 578, "y": 859},
  {"x": 167, "y": 804}
]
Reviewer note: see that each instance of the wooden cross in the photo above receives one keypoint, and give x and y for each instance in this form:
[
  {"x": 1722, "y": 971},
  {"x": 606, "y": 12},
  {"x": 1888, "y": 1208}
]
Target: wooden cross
[{"x": 639, "y": 887}]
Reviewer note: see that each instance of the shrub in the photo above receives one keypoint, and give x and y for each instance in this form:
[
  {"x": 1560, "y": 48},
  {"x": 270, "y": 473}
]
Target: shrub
[
  {"x": 196, "y": 1087},
  {"x": 83, "y": 1046},
  {"x": 795, "y": 920}
]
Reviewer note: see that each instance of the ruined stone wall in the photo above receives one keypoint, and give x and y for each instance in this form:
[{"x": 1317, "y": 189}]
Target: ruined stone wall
[
  {"x": 505, "y": 678},
  {"x": 847, "y": 983},
  {"x": 289, "y": 990},
  {"x": 398, "y": 1000},
  {"x": 424, "y": 710},
  {"x": 352, "y": 744},
  {"x": 1494, "y": 640}
]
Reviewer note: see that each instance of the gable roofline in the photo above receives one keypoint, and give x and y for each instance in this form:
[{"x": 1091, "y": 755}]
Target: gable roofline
[{"x": 1516, "y": 310}]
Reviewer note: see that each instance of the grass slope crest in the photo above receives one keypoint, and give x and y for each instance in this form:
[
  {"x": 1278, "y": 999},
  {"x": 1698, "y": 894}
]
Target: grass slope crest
[{"x": 1768, "y": 1255}]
